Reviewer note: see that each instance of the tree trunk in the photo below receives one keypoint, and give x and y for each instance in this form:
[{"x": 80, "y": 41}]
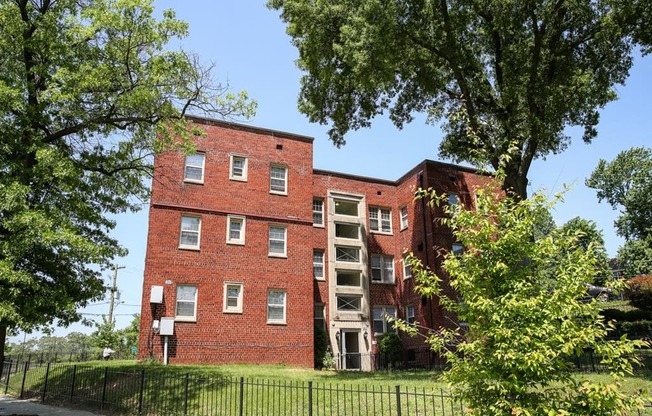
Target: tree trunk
[{"x": 3, "y": 338}]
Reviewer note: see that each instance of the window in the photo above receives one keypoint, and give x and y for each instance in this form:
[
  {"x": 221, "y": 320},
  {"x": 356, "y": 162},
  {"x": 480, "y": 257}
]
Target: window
[
  {"x": 190, "y": 231},
  {"x": 318, "y": 264},
  {"x": 318, "y": 212},
  {"x": 232, "y": 297},
  {"x": 344, "y": 230},
  {"x": 277, "y": 235},
  {"x": 407, "y": 269},
  {"x": 380, "y": 220},
  {"x": 276, "y": 306},
  {"x": 346, "y": 207},
  {"x": 347, "y": 278},
  {"x": 194, "y": 168},
  {"x": 382, "y": 269},
  {"x": 278, "y": 176},
  {"x": 404, "y": 218},
  {"x": 381, "y": 325},
  {"x": 347, "y": 254},
  {"x": 238, "y": 170},
  {"x": 348, "y": 303},
  {"x": 457, "y": 249},
  {"x": 235, "y": 233},
  {"x": 186, "y": 307},
  {"x": 320, "y": 318},
  {"x": 453, "y": 199},
  {"x": 409, "y": 314}
]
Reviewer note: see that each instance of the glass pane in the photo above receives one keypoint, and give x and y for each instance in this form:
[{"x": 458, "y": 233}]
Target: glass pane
[
  {"x": 194, "y": 172},
  {"x": 195, "y": 160},
  {"x": 189, "y": 238},
  {"x": 344, "y": 207},
  {"x": 186, "y": 293},
  {"x": 347, "y": 231},
  {"x": 185, "y": 309},
  {"x": 275, "y": 313},
  {"x": 345, "y": 278},
  {"x": 276, "y": 298},
  {"x": 348, "y": 303},
  {"x": 378, "y": 327},
  {"x": 347, "y": 254},
  {"x": 190, "y": 223},
  {"x": 277, "y": 178},
  {"x": 236, "y": 226},
  {"x": 238, "y": 166},
  {"x": 233, "y": 291}
]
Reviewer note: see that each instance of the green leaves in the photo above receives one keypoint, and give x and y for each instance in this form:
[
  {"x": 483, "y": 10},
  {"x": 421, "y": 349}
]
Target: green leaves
[
  {"x": 522, "y": 299},
  {"x": 89, "y": 93}
]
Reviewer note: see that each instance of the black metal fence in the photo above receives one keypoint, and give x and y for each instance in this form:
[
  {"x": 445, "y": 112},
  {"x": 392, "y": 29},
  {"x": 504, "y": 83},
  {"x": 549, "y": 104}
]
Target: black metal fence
[{"x": 153, "y": 392}]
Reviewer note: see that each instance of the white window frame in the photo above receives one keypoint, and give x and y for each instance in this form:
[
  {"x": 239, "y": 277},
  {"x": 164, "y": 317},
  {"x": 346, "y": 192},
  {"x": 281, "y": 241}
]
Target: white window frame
[
  {"x": 318, "y": 264},
  {"x": 185, "y": 318},
  {"x": 270, "y": 240},
  {"x": 317, "y": 211},
  {"x": 355, "y": 261},
  {"x": 238, "y": 307},
  {"x": 404, "y": 217},
  {"x": 407, "y": 269},
  {"x": 357, "y": 298},
  {"x": 187, "y": 230},
  {"x": 230, "y": 219},
  {"x": 384, "y": 261},
  {"x": 272, "y": 321},
  {"x": 187, "y": 165},
  {"x": 382, "y": 225},
  {"x": 245, "y": 168},
  {"x": 284, "y": 191},
  {"x": 384, "y": 310},
  {"x": 410, "y": 313}
]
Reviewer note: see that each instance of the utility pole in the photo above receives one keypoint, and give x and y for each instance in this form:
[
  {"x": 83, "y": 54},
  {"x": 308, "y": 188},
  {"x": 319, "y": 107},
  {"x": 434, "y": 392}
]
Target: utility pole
[{"x": 114, "y": 288}]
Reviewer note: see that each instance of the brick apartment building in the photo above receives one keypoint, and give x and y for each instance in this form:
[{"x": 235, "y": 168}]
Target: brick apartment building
[{"x": 249, "y": 247}]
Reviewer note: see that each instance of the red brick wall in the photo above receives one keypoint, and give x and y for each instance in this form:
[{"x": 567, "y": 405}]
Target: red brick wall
[{"x": 218, "y": 337}]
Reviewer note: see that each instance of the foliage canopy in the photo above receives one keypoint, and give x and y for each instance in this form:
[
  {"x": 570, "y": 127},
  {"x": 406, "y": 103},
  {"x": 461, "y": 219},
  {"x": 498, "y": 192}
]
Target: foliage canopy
[
  {"x": 515, "y": 356},
  {"x": 519, "y": 72},
  {"x": 88, "y": 93}
]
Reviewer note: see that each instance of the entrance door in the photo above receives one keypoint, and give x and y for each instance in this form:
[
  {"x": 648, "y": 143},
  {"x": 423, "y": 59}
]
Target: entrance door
[{"x": 350, "y": 348}]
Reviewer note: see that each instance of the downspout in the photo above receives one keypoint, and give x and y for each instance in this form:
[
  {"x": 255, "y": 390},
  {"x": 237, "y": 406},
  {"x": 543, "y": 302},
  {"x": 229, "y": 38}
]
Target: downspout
[{"x": 425, "y": 239}]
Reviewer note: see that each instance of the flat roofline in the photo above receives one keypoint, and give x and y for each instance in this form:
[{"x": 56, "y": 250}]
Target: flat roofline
[
  {"x": 409, "y": 173},
  {"x": 246, "y": 127}
]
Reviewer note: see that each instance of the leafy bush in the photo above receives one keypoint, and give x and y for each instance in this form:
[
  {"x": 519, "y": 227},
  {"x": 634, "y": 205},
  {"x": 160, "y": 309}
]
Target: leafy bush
[
  {"x": 636, "y": 329},
  {"x": 390, "y": 345},
  {"x": 641, "y": 292},
  {"x": 626, "y": 316}
]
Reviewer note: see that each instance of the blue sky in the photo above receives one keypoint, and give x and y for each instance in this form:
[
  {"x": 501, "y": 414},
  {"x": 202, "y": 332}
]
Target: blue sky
[{"x": 250, "y": 50}]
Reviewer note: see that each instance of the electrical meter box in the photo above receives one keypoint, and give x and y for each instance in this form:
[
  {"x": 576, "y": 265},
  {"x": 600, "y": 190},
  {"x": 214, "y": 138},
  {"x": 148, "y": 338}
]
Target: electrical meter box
[
  {"x": 167, "y": 326},
  {"x": 156, "y": 295}
]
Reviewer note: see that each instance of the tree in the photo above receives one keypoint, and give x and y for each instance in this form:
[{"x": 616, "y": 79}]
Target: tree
[
  {"x": 514, "y": 358},
  {"x": 626, "y": 183},
  {"x": 106, "y": 335},
  {"x": 88, "y": 92},
  {"x": 511, "y": 72},
  {"x": 590, "y": 238}
]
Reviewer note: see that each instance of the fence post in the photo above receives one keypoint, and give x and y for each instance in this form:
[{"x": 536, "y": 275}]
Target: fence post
[
  {"x": 45, "y": 385},
  {"x": 310, "y": 398},
  {"x": 106, "y": 376},
  {"x": 140, "y": 394},
  {"x": 398, "y": 400},
  {"x": 72, "y": 385},
  {"x": 241, "y": 410},
  {"x": 8, "y": 375},
  {"x": 185, "y": 398}
]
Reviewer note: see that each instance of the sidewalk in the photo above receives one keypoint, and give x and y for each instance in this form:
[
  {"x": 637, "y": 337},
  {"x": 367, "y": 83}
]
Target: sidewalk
[{"x": 12, "y": 406}]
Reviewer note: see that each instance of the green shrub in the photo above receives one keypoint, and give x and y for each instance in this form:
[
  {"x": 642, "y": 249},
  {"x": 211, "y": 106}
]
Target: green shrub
[
  {"x": 390, "y": 345},
  {"x": 626, "y": 316}
]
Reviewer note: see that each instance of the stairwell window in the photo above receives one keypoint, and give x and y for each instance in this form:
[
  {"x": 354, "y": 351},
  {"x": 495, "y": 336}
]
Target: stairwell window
[
  {"x": 318, "y": 264},
  {"x": 276, "y": 304},
  {"x": 194, "y": 168},
  {"x": 236, "y": 230},
  {"x": 232, "y": 297},
  {"x": 404, "y": 218},
  {"x": 318, "y": 212},
  {"x": 238, "y": 171}
]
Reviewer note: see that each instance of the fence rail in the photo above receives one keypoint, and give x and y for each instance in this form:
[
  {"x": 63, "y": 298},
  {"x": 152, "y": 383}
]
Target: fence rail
[{"x": 153, "y": 392}]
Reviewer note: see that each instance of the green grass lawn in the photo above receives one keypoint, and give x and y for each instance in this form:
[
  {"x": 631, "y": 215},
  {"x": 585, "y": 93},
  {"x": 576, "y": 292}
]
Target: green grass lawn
[{"x": 209, "y": 389}]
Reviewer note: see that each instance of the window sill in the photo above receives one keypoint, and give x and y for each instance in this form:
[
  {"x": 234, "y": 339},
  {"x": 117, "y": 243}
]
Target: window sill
[
  {"x": 193, "y": 181},
  {"x": 235, "y": 243},
  {"x": 277, "y": 323},
  {"x": 235, "y": 178},
  {"x": 277, "y": 256},
  {"x": 189, "y": 248},
  {"x": 318, "y": 225},
  {"x": 320, "y": 279},
  {"x": 404, "y": 228},
  {"x": 185, "y": 319},
  {"x": 380, "y": 232},
  {"x": 280, "y": 193},
  {"x": 239, "y": 312},
  {"x": 383, "y": 283}
]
